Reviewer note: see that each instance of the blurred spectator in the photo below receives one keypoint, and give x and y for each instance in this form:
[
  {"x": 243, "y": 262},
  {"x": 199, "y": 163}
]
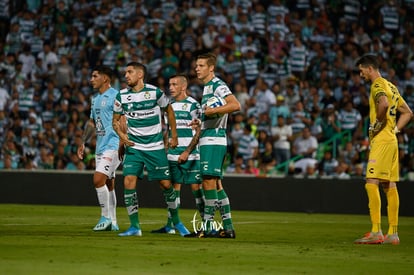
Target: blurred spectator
[
  {"x": 350, "y": 119},
  {"x": 49, "y": 58},
  {"x": 305, "y": 146},
  {"x": 280, "y": 109},
  {"x": 282, "y": 138},
  {"x": 300, "y": 118},
  {"x": 64, "y": 73},
  {"x": 342, "y": 171},
  {"x": 248, "y": 144},
  {"x": 328, "y": 165},
  {"x": 330, "y": 124},
  {"x": 266, "y": 159},
  {"x": 251, "y": 168},
  {"x": 238, "y": 166}
]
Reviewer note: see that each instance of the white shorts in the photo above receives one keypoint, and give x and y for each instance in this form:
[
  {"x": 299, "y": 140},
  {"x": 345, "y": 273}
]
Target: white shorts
[{"x": 107, "y": 163}]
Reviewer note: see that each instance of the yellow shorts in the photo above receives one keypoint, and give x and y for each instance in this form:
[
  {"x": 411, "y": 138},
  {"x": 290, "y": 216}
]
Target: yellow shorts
[{"x": 383, "y": 163}]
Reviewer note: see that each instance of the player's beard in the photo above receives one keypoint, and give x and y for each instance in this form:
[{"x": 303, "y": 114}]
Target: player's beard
[{"x": 133, "y": 84}]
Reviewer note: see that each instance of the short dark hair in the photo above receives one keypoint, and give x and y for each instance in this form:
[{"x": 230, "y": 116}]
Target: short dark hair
[
  {"x": 183, "y": 76},
  {"x": 211, "y": 58},
  {"x": 106, "y": 70},
  {"x": 368, "y": 60},
  {"x": 138, "y": 66}
]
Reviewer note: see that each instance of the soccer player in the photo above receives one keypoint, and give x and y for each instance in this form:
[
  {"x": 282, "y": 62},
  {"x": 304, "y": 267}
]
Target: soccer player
[
  {"x": 107, "y": 142},
  {"x": 213, "y": 145},
  {"x": 385, "y": 102},
  {"x": 185, "y": 158},
  {"x": 142, "y": 105}
]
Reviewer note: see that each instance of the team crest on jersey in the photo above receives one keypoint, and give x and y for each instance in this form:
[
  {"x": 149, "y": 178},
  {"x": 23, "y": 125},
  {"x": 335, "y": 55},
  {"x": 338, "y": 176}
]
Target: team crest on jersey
[
  {"x": 103, "y": 103},
  {"x": 147, "y": 95},
  {"x": 184, "y": 107},
  {"x": 208, "y": 89}
]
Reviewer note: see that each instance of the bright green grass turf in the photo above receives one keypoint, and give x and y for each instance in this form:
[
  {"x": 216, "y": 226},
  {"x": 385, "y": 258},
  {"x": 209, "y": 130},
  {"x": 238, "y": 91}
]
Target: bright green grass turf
[{"x": 60, "y": 240}]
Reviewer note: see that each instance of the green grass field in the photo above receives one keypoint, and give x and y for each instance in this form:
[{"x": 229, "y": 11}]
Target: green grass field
[{"x": 37, "y": 239}]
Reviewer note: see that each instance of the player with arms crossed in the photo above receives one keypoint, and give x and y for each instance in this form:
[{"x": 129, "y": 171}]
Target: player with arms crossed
[
  {"x": 213, "y": 145},
  {"x": 142, "y": 106},
  {"x": 385, "y": 102},
  {"x": 107, "y": 142},
  {"x": 185, "y": 158}
]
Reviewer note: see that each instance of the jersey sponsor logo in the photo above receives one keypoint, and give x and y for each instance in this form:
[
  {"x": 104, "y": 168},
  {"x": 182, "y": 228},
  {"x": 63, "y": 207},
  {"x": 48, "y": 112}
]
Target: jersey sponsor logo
[{"x": 140, "y": 114}]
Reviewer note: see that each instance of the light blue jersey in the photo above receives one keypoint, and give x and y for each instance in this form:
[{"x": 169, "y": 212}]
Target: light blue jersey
[{"x": 101, "y": 113}]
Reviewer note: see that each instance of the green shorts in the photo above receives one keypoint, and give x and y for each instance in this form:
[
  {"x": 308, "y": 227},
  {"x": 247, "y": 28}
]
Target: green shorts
[
  {"x": 212, "y": 159},
  {"x": 185, "y": 173},
  {"x": 155, "y": 161}
]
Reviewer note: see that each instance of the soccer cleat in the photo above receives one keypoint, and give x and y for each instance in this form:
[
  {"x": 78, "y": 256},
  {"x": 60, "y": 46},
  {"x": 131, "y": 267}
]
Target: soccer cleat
[
  {"x": 391, "y": 239},
  {"x": 226, "y": 234},
  {"x": 132, "y": 231},
  {"x": 164, "y": 229},
  {"x": 371, "y": 238},
  {"x": 203, "y": 234},
  {"x": 182, "y": 229},
  {"x": 104, "y": 224},
  {"x": 114, "y": 227}
]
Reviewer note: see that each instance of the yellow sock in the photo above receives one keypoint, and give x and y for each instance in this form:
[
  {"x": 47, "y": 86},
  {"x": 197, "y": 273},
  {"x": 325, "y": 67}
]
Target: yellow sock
[
  {"x": 393, "y": 201},
  {"x": 374, "y": 205}
]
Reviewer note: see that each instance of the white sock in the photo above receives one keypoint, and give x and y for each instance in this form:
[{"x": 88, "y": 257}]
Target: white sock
[
  {"x": 103, "y": 198},
  {"x": 112, "y": 206}
]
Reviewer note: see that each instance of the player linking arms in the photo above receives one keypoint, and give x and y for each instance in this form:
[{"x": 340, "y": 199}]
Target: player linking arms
[{"x": 141, "y": 104}]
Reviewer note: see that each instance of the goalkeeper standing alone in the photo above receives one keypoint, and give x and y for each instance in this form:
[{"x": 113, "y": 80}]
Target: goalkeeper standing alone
[{"x": 385, "y": 103}]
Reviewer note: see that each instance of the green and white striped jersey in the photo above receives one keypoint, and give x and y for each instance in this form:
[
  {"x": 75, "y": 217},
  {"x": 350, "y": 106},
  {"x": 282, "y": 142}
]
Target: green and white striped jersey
[
  {"x": 213, "y": 129},
  {"x": 217, "y": 87},
  {"x": 185, "y": 111},
  {"x": 143, "y": 114}
]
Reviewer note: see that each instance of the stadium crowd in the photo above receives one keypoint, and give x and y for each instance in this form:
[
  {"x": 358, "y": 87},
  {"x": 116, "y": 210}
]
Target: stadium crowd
[{"x": 289, "y": 63}]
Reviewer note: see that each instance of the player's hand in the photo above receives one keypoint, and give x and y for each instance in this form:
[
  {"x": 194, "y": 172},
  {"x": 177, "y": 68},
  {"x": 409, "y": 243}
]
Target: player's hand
[
  {"x": 195, "y": 123},
  {"x": 210, "y": 111},
  {"x": 81, "y": 149},
  {"x": 375, "y": 128},
  {"x": 183, "y": 157},
  {"x": 124, "y": 140},
  {"x": 173, "y": 142}
]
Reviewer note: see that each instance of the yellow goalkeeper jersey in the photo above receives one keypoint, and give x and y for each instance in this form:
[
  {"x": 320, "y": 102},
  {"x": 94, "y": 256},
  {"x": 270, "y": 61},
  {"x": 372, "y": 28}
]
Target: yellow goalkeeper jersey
[{"x": 379, "y": 87}]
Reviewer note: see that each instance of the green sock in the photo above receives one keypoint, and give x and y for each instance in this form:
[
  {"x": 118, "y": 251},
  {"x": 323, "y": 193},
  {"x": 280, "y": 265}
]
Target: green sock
[
  {"x": 199, "y": 200},
  {"x": 172, "y": 204},
  {"x": 170, "y": 223},
  {"x": 209, "y": 208},
  {"x": 224, "y": 207},
  {"x": 131, "y": 204}
]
